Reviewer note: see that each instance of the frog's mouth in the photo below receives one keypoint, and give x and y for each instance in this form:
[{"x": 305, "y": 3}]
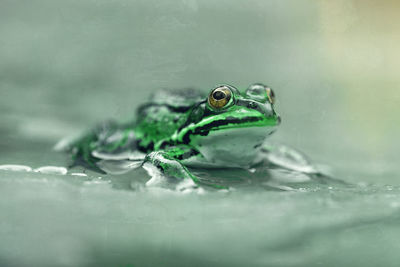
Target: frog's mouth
[{"x": 226, "y": 121}]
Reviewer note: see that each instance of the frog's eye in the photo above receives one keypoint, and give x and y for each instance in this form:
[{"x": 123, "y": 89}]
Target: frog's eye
[
  {"x": 261, "y": 93},
  {"x": 219, "y": 97}
]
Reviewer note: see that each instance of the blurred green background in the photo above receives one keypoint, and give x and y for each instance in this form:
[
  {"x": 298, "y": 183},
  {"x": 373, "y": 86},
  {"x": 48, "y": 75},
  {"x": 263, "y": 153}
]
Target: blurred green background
[{"x": 65, "y": 65}]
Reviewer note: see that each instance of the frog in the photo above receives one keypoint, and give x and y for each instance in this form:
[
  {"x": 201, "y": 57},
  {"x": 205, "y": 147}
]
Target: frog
[{"x": 181, "y": 129}]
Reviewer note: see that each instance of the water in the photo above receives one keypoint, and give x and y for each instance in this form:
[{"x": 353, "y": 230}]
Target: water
[
  {"x": 68, "y": 65},
  {"x": 65, "y": 220}
]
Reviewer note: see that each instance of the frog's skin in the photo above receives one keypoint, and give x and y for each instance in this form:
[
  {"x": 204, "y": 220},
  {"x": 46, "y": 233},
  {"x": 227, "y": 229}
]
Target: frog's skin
[{"x": 180, "y": 129}]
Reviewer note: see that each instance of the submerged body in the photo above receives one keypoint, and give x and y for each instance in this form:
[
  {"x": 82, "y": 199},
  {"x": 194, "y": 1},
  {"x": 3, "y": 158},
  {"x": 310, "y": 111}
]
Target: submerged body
[{"x": 179, "y": 129}]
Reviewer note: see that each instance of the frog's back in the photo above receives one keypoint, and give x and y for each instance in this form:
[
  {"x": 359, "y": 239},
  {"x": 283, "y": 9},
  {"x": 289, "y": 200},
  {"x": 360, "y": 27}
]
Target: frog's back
[{"x": 160, "y": 118}]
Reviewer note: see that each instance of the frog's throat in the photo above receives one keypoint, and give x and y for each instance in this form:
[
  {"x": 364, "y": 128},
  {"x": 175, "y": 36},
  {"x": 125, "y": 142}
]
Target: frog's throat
[{"x": 245, "y": 119}]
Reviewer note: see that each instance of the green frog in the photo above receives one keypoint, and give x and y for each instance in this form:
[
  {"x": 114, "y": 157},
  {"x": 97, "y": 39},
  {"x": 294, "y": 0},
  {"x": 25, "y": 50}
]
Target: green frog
[{"x": 180, "y": 129}]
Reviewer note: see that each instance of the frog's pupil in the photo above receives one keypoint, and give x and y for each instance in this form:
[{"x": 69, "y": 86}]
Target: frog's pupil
[{"x": 218, "y": 95}]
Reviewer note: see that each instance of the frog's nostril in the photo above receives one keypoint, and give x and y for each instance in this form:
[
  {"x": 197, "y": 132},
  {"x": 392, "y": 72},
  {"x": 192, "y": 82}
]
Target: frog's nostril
[{"x": 252, "y": 104}]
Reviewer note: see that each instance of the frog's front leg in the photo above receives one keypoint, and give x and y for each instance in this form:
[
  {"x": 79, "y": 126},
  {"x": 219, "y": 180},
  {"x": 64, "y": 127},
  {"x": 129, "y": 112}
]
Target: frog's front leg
[
  {"x": 285, "y": 157},
  {"x": 166, "y": 170},
  {"x": 283, "y": 166},
  {"x": 286, "y": 165}
]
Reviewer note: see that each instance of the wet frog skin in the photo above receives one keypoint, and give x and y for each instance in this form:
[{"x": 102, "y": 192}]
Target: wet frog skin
[{"x": 183, "y": 128}]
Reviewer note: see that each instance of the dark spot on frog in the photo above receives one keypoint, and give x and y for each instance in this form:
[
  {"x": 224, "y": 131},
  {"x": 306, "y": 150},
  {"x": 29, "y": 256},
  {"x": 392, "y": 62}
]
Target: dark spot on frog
[{"x": 257, "y": 146}]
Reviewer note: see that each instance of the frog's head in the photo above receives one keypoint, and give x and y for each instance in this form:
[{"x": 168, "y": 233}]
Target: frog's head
[{"x": 229, "y": 126}]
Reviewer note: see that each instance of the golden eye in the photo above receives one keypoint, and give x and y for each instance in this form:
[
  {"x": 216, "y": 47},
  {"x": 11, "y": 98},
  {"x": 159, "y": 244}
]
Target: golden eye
[
  {"x": 219, "y": 97},
  {"x": 271, "y": 95}
]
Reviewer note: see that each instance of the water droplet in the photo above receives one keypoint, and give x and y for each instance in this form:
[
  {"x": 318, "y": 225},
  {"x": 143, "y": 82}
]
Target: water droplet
[
  {"x": 52, "y": 170},
  {"x": 78, "y": 174},
  {"x": 15, "y": 167}
]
